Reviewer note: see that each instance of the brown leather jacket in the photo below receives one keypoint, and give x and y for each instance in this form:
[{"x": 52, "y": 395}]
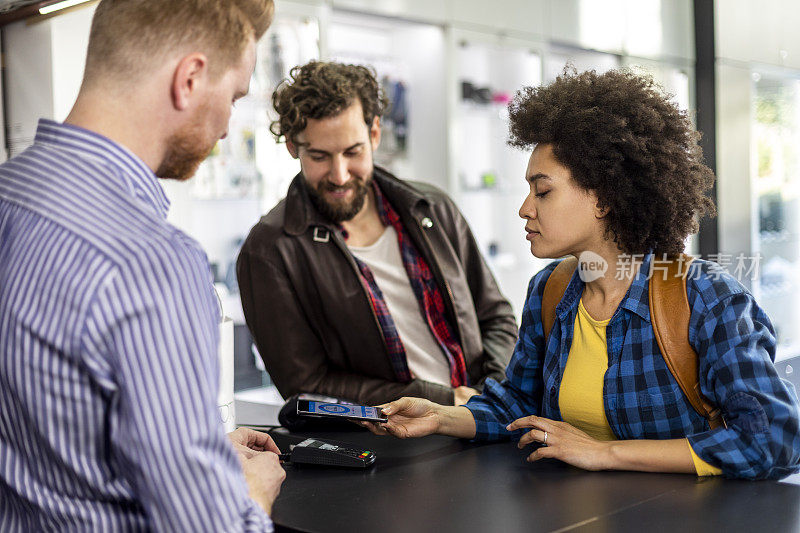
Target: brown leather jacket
[{"x": 310, "y": 315}]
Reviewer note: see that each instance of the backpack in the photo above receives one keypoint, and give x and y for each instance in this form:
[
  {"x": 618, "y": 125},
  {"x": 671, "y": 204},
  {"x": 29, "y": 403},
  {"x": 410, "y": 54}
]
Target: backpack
[{"x": 669, "y": 314}]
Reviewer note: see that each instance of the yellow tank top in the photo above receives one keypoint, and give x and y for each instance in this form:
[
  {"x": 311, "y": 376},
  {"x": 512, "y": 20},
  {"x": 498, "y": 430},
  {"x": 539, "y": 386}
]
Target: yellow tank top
[{"x": 580, "y": 395}]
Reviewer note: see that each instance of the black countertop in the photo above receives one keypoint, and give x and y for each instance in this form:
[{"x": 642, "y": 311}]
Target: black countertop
[{"x": 441, "y": 484}]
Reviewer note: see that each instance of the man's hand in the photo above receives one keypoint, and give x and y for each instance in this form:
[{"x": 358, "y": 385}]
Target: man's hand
[
  {"x": 248, "y": 443},
  {"x": 262, "y": 469},
  {"x": 564, "y": 442},
  {"x": 463, "y": 394},
  {"x": 264, "y": 475}
]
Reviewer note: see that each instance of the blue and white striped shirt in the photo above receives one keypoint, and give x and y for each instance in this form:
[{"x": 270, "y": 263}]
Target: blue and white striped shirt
[{"x": 108, "y": 336}]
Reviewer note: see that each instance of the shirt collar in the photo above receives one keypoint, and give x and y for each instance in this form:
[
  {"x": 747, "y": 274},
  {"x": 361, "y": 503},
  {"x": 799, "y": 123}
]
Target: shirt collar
[
  {"x": 636, "y": 300},
  {"x": 135, "y": 174}
]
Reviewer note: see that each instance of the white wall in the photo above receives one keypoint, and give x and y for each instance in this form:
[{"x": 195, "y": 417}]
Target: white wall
[
  {"x": 69, "y": 42},
  {"x": 737, "y": 207},
  {"x": 44, "y": 69},
  {"x": 759, "y": 32},
  {"x": 616, "y": 26},
  {"x": 29, "y": 73}
]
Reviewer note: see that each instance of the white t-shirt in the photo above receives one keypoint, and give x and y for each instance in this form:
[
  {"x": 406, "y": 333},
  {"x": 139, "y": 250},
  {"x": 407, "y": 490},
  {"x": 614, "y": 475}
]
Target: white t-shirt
[{"x": 425, "y": 357}]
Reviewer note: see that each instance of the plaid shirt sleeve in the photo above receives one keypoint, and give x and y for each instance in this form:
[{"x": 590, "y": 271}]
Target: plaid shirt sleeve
[
  {"x": 520, "y": 393},
  {"x": 735, "y": 342}
]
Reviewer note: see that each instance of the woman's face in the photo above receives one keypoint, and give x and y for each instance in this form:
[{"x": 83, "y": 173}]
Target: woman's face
[{"x": 560, "y": 217}]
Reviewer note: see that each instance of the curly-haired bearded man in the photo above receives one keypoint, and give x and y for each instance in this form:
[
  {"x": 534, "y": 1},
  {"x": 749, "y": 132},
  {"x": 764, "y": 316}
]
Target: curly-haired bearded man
[{"x": 358, "y": 284}]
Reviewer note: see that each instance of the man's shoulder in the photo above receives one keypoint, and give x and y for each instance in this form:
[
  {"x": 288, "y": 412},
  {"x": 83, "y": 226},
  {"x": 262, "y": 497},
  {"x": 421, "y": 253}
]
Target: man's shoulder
[
  {"x": 421, "y": 188},
  {"x": 433, "y": 194},
  {"x": 147, "y": 239},
  {"x": 107, "y": 220},
  {"x": 151, "y": 248},
  {"x": 269, "y": 229}
]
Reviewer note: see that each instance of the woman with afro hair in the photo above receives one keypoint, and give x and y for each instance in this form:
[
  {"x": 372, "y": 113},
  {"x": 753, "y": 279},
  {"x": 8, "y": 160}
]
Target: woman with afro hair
[{"x": 617, "y": 180}]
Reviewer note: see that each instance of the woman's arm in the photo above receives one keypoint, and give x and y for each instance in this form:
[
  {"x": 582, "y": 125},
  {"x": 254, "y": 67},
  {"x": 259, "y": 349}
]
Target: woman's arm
[
  {"x": 571, "y": 445},
  {"x": 418, "y": 417},
  {"x": 736, "y": 344}
]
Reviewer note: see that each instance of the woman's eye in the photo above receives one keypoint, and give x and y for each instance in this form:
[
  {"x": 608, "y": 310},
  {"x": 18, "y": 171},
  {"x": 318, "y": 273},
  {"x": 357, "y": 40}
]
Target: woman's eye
[{"x": 541, "y": 194}]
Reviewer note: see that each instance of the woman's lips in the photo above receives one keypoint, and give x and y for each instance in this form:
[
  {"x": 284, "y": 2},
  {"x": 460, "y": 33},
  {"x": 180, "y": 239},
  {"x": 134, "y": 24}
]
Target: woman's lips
[{"x": 531, "y": 234}]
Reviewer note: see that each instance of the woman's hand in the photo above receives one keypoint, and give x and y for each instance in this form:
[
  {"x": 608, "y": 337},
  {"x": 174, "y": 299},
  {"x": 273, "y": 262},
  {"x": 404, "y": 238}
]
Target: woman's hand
[
  {"x": 564, "y": 442},
  {"x": 408, "y": 417},
  {"x": 418, "y": 417}
]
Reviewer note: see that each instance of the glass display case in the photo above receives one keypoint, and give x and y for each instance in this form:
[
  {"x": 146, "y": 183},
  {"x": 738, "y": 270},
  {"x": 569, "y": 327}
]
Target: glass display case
[
  {"x": 489, "y": 174},
  {"x": 775, "y": 170},
  {"x": 409, "y": 61}
]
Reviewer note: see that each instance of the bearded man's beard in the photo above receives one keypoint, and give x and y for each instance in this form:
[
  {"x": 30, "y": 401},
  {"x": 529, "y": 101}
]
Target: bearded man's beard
[
  {"x": 186, "y": 149},
  {"x": 338, "y": 212}
]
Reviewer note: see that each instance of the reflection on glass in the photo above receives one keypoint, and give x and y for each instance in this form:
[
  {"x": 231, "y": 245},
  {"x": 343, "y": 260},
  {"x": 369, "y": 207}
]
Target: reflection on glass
[{"x": 776, "y": 149}]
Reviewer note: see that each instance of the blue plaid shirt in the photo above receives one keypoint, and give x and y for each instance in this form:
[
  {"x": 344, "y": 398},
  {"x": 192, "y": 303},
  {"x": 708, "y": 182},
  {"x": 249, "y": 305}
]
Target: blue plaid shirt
[{"x": 736, "y": 344}]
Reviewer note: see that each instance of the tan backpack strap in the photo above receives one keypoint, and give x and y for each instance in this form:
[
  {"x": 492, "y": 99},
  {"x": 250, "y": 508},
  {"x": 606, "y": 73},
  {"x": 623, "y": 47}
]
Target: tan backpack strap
[
  {"x": 554, "y": 290},
  {"x": 670, "y": 313}
]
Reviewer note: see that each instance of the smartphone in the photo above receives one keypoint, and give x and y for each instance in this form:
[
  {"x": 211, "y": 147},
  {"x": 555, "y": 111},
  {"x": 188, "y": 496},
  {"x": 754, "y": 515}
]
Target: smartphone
[{"x": 339, "y": 410}]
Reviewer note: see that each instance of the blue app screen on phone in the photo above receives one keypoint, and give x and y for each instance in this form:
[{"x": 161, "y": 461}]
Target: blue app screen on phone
[{"x": 338, "y": 409}]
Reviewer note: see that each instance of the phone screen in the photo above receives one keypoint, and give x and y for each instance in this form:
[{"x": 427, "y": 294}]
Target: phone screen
[{"x": 361, "y": 412}]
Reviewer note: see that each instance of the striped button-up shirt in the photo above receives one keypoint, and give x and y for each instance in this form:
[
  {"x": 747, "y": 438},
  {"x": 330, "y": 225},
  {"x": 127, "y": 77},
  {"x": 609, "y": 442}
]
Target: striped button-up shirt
[
  {"x": 108, "y": 336},
  {"x": 735, "y": 343}
]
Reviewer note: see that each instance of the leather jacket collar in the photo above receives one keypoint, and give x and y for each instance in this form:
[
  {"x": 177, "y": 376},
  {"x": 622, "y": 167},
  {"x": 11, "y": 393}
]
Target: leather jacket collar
[{"x": 301, "y": 213}]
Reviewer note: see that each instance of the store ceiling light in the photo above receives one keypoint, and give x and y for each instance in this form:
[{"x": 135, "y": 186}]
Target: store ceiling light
[{"x": 60, "y": 5}]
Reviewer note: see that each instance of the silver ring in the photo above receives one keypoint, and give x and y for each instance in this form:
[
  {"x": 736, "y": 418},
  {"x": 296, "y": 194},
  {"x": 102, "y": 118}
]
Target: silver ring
[{"x": 545, "y": 439}]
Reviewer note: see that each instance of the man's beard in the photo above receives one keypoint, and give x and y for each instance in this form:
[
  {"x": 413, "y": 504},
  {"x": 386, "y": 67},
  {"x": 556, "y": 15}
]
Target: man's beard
[
  {"x": 340, "y": 211},
  {"x": 186, "y": 149}
]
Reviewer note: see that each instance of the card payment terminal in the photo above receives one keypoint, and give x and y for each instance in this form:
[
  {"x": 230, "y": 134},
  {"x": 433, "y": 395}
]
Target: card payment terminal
[{"x": 312, "y": 451}]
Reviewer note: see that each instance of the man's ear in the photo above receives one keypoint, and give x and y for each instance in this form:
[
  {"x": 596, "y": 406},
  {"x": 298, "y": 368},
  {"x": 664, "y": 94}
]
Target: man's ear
[
  {"x": 375, "y": 133},
  {"x": 189, "y": 75},
  {"x": 291, "y": 148}
]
